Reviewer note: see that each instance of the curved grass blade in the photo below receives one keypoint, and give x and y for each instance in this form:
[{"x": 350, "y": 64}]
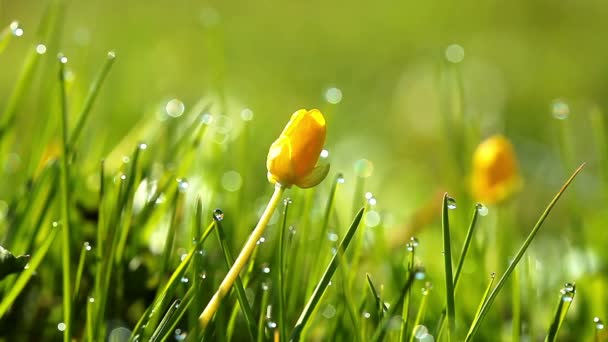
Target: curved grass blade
[
  {"x": 447, "y": 259},
  {"x": 282, "y": 320},
  {"x": 167, "y": 319},
  {"x": 486, "y": 306},
  {"x": 240, "y": 290},
  {"x": 383, "y": 326},
  {"x": 91, "y": 96},
  {"x": 421, "y": 309},
  {"x": 463, "y": 255},
  {"x": 381, "y": 308},
  {"x": 178, "y": 314},
  {"x": 322, "y": 285},
  {"x": 565, "y": 300},
  {"x": 65, "y": 207}
]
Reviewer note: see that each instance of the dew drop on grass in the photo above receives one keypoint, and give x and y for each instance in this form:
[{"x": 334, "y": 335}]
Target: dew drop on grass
[
  {"x": 271, "y": 325},
  {"x": 599, "y": 325},
  {"x": 41, "y": 49},
  {"x": 265, "y": 269},
  {"x": 91, "y": 300},
  {"x": 409, "y": 247},
  {"x": 329, "y": 312},
  {"x": 414, "y": 241},
  {"x": 287, "y": 201},
  {"x": 180, "y": 335},
  {"x": 182, "y": 185},
  {"x": 184, "y": 280},
  {"x": 560, "y": 110},
  {"x": 143, "y": 146},
  {"x": 482, "y": 209},
  {"x": 332, "y": 236},
  {"x": 175, "y": 108},
  {"x": 364, "y": 168},
  {"x": 420, "y": 331},
  {"x": 493, "y": 275},
  {"x": 568, "y": 292},
  {"x": 177, "y": 302},
  {"x": 218, "y": 214},
  {"x": 292, "y": 230},
  {"x": 16, "y": 29},
  {"x": 367, "y": 315},
  {"x": 111, "y": 54},
  {"x": 87, "y": 246},
  {"x": 247, "y": 114},
  {"x": 324, "y": 154},
  {"x": 61, "y": 326},
  {"x": 451, "y": 203},
  {"x": 333, "y": 95},
  {"x": 340, "y": 179},
  {"x": 427, "y": 338},
  {"x": 266, "y": 286},
  {"x": 62, "y": 58}
]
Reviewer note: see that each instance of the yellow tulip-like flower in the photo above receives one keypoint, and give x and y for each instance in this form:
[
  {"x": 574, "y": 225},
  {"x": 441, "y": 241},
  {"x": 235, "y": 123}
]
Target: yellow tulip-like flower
[
  {"x": 293, "y": 157},
  {"x": 495, "y": 170}
]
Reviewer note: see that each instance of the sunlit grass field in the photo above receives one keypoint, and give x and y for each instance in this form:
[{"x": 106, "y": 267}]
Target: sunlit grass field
[{"x": 465, "y": 198}]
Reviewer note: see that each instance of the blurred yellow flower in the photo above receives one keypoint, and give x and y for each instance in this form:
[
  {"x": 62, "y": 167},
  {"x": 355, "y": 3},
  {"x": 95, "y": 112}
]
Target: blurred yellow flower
[
  {"x": 495, "y": 170},
  {"x": 293, "y": 157}
]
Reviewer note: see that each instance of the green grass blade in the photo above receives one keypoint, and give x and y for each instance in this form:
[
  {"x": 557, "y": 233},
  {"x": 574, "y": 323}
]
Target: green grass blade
[
  {"x": 10, "y": 297},
  {"x": 167, "y": 319},
  {"x": 484, "y": 298},
  {"x": 463, "y": 255},
  {"x": 382, "y": 328},
  {"x": 175, "y": 219},
  {"x": 421, "y": 309},
  {"x": 322, "y": 285},
  {"x": 86, "y": 247},
  {"x": 447, "y": 259},
  {"x": 65, "y": 208},
  {"x": 170, "y": 325},
  {"x": 263, "y": 311},
  {"x": 282, "y": 319},
  {"x": 565, "y": 300},
  {"x": 91, "y": 96},
  {"x": 7, "y": 34},
  {"x": 405, "y": 312},
  {"x": 486, "y": 306},
  {"x": 380, "y": 306},
  {"x": 240, "y": 290}
]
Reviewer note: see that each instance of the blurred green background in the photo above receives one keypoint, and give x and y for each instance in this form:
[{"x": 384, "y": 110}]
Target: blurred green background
[{"x": 412, "y": 87}]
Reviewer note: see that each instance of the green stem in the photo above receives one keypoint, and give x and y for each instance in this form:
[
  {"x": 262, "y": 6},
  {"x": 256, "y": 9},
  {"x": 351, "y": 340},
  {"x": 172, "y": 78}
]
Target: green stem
[
  {"x": 449, "y": 280},
  {"x": 242, "y": 259}
]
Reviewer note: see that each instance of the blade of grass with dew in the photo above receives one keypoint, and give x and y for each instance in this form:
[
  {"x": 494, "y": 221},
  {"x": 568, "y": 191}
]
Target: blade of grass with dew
[
  {"x": 7, "y": 34},
  {"x": 263, "y": 312},
  {"x": 65, "y": 207},
  {"x": 169, "y": 288},
  {"x": 167, "y": 318},
  {"x": 37, "y": 258},
  {"x": 421, "y": 310},
  {"x": 23, "y": 82},
  {"x": 516, "y": 307},
  {"x": 323, "y": 283},
  {"x": 170, "y": 325},
  {"x": 484, "y": 298},
  {"x": 463, "y": 255},
  {"x": 127, "y": 202},
  {"x": 86, "y": 247},
  {"x": 447, "y": 259},
  {"x": 382, "y": 328},
  {"x": 178, "y": 203},
  {"x": 380, "y": 306},
  {"x": 405, "y": 312},
  {"x": 240, "y": 290},
  {"x": 197, "y": 268},
  {"x": 486, "y": 306},
  {"x": 98, "y": 290},
  {"x": 565, "y": 300},
  {"x": 282, "y": 320},
  {"x": 91, "y": 96}
]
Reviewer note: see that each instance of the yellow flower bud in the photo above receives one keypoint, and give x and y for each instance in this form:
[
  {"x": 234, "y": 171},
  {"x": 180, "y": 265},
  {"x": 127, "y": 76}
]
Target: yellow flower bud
[
  {"x": 495, "y": 170},
  {"x": 293, "y": 157}
]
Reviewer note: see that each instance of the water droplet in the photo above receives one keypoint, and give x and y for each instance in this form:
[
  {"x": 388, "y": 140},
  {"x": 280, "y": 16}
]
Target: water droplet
[
  {"x": 420, "y": 331},
  {"x": 87, "y": 246},
  {"x": 55, "y": 224},
  {"x": 364, "y": 168},
  {"x": 292, "y": 230},
  {"x": 143, "y": 146},
  {"x": 62, "y": 58},
  {"x": 482, "y": 209},
  {"x": 266, "y": 269},
  {"x": 324, "y": 154},
  {"x": 451, "y": 203},
  {"x": 178, "y": 302},
  {"x": 91, "y": 300},
  {"x": 420, "y": 274},
  {"x": 247, "y": 114},
  {"x": 333, "y": 95},
  {"x": 427, "y": 338},
  {"x": 266, "y": 286},
  {"x": 287, "y": 201},
  {"x": 179, "y": 335},
  {"x": 184, "y": 280},
  {"x": 207, "y": 119},
  {"x": 372, "y": 201},
  {"x": 367, "y": 315},
  {"x": 175, "y": 108},
  {"x": 493, "y": 275},
  {"x": 41, "y": 49},
  {"x": 560, "y": 109},
  {"x": 454, "y": 53},
  {"x": 368, "y": 195},
  {"x": 272, "y": 325},
  {"x": 261, "y": 241},
  {"x": 123, "y": 177},
  {"x": 232, "y": 181},
  {"x": 61, "y": 326},
  {"x": 329, "y": 311},
  {"x": 568, "y": 292},
  {"x": 414, "y": 241},
  {"x": 409, "y": 247},
  {"x": 599, "y": 325},
  {"x": 372, "y": 218},
  {"x": 16, "y": 29},
  {"x": 218, "y": 214},
  {"x": 332, "y": 236},
  {"x": 111, "y": 54},
  {"x": 182, "y": 185},
  {"x": 340, "y": 179},
  {"x": 126, "y": 159}
]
